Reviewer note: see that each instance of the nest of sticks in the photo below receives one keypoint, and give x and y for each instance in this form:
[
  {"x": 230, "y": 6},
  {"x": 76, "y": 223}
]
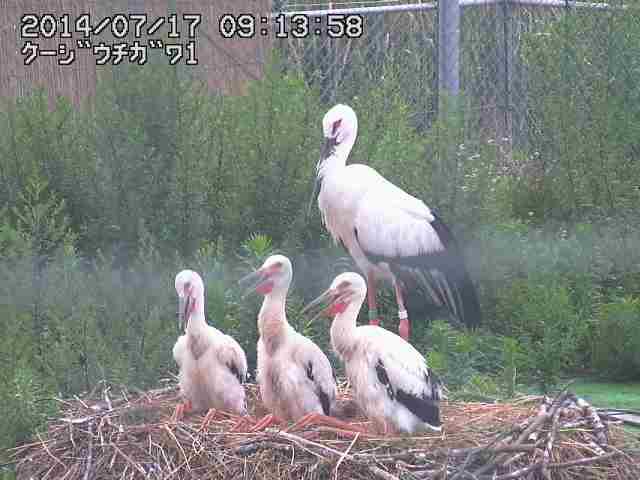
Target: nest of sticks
[{"x": 132, "y": 437}]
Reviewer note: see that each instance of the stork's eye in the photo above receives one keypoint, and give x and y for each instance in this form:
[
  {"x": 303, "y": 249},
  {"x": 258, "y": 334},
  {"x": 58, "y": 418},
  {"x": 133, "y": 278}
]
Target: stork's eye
[
  {"x": 336, "y": 125},
  {"x": 342, "y": 285},
  {"x": 273, "y": 268}
]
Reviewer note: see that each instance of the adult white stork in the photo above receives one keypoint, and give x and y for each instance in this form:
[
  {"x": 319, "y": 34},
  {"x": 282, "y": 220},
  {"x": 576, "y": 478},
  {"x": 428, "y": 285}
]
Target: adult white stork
[
  {"x": 295, "y": 377},
  {"x": 390, "y": 234},
  {"x": 390, "y": 378},
  {"x": 213, "y": 366}
]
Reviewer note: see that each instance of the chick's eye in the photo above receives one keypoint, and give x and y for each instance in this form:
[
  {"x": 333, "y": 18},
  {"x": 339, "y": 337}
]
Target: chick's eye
[{"x": 336, "y": 125}]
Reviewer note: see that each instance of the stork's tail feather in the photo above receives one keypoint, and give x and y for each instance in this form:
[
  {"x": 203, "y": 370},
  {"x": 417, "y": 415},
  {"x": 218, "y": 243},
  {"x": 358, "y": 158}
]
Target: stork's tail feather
[
  {"x": 456, "y": 273},
  {"x": 429, "y": 289}
]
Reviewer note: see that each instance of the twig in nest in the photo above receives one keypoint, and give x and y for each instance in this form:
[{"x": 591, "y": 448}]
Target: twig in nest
[
  {"x": 543, "y": 416},
  {"x": 89, "y": 464},
  {"x": 105, "y": 394},
  {"x": 128, "y": 458},
  {"x": 546, "y": 458},
  {"x": 441, "y": 453},
  {"x": 513, "y": 459},
  {"x": 346, "y": 452},
  {"x": 584, "y": 461},
  {"x": 517, "y": 473},
  {"x": 253, "y": 446},
  {"x": 44, "y": 445},
  {"x": 378, "y": 472},
  {"x": 301, "y": 441},
  {"x": 599, "y": 428},
  {"x": 179, "y": 446},
  {"x": 463, "y": 469}
]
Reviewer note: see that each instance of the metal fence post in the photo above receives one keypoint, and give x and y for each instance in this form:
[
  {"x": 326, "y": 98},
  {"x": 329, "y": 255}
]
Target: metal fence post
[
  {"x": 449, "y": 47},
  {"x": 504, "y": 66},
  {"x": 446, "y": 169}
]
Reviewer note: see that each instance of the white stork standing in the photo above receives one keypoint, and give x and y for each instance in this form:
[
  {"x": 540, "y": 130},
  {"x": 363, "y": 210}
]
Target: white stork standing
[
  {"x": 213, "y": 366},
  {"x": 390, "y": 378},
  {"x": 295, "y": 377},
  {"x": 389, "y": 233}
]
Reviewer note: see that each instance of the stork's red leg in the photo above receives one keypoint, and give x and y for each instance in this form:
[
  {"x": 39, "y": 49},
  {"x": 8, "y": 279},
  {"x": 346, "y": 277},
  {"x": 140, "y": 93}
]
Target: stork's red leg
[
  {"x": 181, "y": 409},
  {"x": 374, "y": 319},
  {"x": 319, "y": 419},
  {"x": 211, "y": 414},
  {"x": 265, "y": 422},
  {"x": 404, "y": 326},
  {"x": 243, "y": 424}
]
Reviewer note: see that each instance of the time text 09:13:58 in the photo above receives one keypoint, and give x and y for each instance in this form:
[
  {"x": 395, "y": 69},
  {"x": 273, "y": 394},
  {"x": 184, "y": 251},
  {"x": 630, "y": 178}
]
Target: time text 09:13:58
[{"x": 247, "y": 25}]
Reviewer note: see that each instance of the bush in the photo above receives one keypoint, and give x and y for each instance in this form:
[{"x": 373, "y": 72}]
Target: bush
[
  {"x": 27, "y": 403},
  {"x": 475, "y": 366},
  {"x": 616, "y": 345},
  {"x": 540, "y": 314}
]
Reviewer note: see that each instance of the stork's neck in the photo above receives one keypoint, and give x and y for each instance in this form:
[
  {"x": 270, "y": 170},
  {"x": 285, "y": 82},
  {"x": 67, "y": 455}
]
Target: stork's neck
[
  {"x": 338, "y": 157},
  {"x": 272, "y": 319},
  {"x": 197, "y": 320},
  {"x": 343, "y": 329}
]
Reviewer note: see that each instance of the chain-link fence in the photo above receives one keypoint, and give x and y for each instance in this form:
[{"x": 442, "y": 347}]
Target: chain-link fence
[
  {"x": 551, "y": 85},
  {"x": 516, "y": 60}
]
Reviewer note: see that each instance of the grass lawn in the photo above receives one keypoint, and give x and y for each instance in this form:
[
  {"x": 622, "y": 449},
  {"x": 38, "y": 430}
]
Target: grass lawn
[
  {"x": 609, "y": 395},
  {"x": 605, "y": 394}
]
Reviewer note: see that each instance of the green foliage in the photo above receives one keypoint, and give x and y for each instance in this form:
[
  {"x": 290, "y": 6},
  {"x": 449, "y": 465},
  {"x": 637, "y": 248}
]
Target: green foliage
[
  {"x": 27, "y": 402},
  {"x": 584, "y": 105},
  {"x": 386, "y": 139},
  {"x": 475, "y": 365},
  {"x": 256, "y": 249},
  {"x": 512, "y": 358},
  {"x": 541, "y": 315},
  {"x": 616, "y": 343},
  {"x": 41, "y": 220}
]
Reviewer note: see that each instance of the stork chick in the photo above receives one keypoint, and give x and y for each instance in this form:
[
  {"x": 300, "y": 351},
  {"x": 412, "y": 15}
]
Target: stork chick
[
  {"x": 213, "y": 366},
  {"x": 295, "y": 377},
  {"x": 390, "y": 234},
  {"x": 391, "y": 381}
]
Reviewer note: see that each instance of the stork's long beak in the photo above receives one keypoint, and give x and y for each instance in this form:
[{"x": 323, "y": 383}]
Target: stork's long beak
[
  {"x": 325, "y": 300},
  {"x": 251, "y": 281},
  {"x": 314, "y": 196},
  {"x": 326, "y": 149},
  {"x": 184, "y": 306}
]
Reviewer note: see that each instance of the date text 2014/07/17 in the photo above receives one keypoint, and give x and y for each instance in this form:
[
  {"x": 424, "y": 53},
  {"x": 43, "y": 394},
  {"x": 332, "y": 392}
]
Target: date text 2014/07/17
[{"x": 247, "y": 25}]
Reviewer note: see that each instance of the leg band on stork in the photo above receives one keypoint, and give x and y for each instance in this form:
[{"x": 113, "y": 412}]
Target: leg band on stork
[
  {"x": 403, "y": 327},
  {"x": 373, "y": 317},
  {"x": 371, "y": 300}
]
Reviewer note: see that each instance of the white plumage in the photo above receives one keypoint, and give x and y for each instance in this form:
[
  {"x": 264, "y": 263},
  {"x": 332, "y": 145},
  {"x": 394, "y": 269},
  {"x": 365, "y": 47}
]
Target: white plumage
[
  {"x": 213, "y": 366},
  {"x": 390, "y": 378},
  {"x": 294, "y": 375},
  {"x": 389, "y": 233}
]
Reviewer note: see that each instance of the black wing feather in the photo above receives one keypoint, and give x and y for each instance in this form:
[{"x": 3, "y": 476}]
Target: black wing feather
[
  {"x": 425, "y": 407},
  {"x": 381, "y": 371},
  {"x": 322, "y": 395},
  {"x": 236, "y": 371}
]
